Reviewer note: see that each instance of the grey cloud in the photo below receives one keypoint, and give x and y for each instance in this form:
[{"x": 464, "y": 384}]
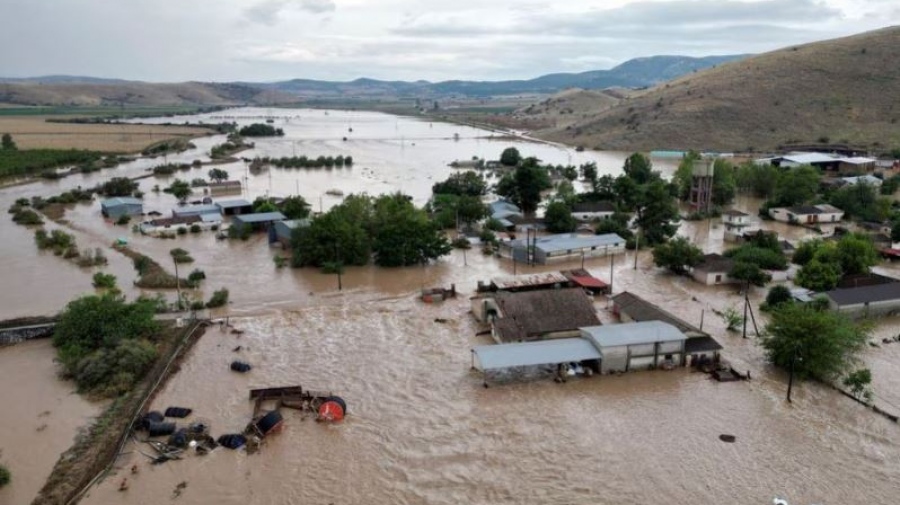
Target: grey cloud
[{"x": 268, "y": 12}]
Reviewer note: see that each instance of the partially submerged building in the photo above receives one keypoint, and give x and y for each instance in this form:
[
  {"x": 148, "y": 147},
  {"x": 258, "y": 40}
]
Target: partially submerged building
[
  {"x": 114, "y": 208},
  {"x": 257, "y": 221},
  {"x": 528, "y": 282},
  {"x": 736, "y": 224},
  {"x": 224, "y": 188},
  {"x": 636, "y": 346},
  {"x": 234, "y": 207},
  {"x": 713, "y": 270},
  {"x": 535, "y": 315},
  {"x": 593, "y": 211},
  {"x": 866, "y": 301},
  {"x": 807, "y": 214},
  {"x": 172, "y": 224},
  {"x": 507, "y": 213},
  {"x": 562, "y": 246},
  {"x": 282, "y": 231},
  {"x": 195, "y": 210}
]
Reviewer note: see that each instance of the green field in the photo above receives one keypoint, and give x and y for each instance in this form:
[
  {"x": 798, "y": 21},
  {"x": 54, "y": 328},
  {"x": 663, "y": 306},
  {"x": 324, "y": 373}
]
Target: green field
[
  {"x": 31, "y": 161},
  {"x": 130, "y": 111}
]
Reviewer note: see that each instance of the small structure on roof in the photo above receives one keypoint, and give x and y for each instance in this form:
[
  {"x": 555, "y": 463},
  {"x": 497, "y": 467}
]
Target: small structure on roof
[
  {"x": 583, "y": 279},
  {"x": 234, "y": 207},
  {"x": 283, "y": 230},
  {"x": 562, "y": 246},
  {"x": 713, "y": 270},
  {"x": 637, "y": 346},
  {"x": 195, "y": 210},
  {"x": 807, "y": 214},
  {"x": 257, "y": 221},
  {"x": 114, "y": 208},
  {"x": 535, "y": 315}
]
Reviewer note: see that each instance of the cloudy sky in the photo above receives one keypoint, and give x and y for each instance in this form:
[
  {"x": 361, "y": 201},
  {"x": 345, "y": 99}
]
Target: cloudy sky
[{"x": 265, "y": 40}]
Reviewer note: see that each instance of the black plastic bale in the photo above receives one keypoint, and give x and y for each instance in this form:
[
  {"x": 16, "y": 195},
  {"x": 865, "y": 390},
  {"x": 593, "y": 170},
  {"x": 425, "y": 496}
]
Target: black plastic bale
[
  {"x": 240, "y": 366},
  {"x": 269, "y": 421},
  {"x": 161, "y": 429},
  {"x": 179, "y": 438},
  {"x": 232, "y": 441},
  {"x": 340, "y": 401},
  {"x": 179, "y": 412},
  {"x": 150, "y": 417}
]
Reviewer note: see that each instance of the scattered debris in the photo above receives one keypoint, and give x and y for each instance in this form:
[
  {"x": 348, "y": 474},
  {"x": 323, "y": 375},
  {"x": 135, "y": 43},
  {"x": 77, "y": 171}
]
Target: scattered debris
[
  {"x": 727, "y": 438},
  {"x": 160, "y": 429},
  {"x": 271, "y": 422},
  {"x": 332, "y": 409},
  {"x": 237, "y": 349},
  {"x": 232, "y": 441},
  {"x": 432, "y": 295},
  {"x": 440, "y": 320},
  {"x": 123, "y": 486},
  {"x": 179, "y": 489},
  {"x": 237, "y": 332}
]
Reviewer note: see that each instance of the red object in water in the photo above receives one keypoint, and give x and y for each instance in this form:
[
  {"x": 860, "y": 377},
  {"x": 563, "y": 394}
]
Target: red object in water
[{"x": 331, "y": 411}]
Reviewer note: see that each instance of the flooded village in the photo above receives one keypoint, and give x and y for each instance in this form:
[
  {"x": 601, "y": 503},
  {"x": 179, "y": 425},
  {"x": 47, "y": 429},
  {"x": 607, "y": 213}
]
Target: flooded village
[{"x": 555, "y": 367}]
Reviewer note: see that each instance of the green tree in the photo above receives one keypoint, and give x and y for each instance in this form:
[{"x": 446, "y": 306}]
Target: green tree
[
  {"x": 403, "y": 235},
  {"x": 179, "y": 189},
  {"x": 7, "y": 143},
  {"x": 895, "y": 229},
  {"x": 856, "y": 254},
  {"x": 295, "y": 207},
  {"x": 469, "y": 183},
  {"x": 859, "y": 382},
  {"x": 589, "y": 173},
  {"x": 758, "y": 179},
  {"x": 510, "y": 157},
  {"x": 118, "y": 186},
  {"x": 796, "y": 186},
  {"x": 778, "y": 295},
  {"x": 818, "y": 276},
  {"x": 861, "y": 201},
  {"x": 823, "y": 344},
  {"x": 724, "y": 185},
  {"x": 678, "y": 255},
  {"x": 656, "y": 212},
  {"x": 559, "y": 219},
  {"x": 749, "y": 272},
  {"x": 263, "y": 204},
  {"x": 523, "y": 187},
  {"x": 447, "y": 209},
  {"x": 638, "y": 168},
  {"x": 684, "y": 174},
  {"x": 5, "y": 476},
  {"x": 340, "y": 235},
  {"x": 806, "y": 251},
  {"x": 104, "y": 281},
  {"x": 218, "y": 175},
  {"x": 570, "y": 172},
  {"x": 762, "y": 257},
  {"x": 565, "y": 192}
]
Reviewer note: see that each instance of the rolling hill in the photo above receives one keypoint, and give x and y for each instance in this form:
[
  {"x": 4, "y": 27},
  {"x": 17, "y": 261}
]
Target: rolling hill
[{"x": 837, "y": 91}]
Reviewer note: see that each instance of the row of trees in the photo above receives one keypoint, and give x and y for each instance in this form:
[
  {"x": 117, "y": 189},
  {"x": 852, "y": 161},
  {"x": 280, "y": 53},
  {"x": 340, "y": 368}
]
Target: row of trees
[
  {"x": 260, "y": 130},
  {"x": 388, "y": 229},
  {"x": 457, "y": 200},
  {"x": 824, "y": 263},
  {"x": 305, "y": 162}
]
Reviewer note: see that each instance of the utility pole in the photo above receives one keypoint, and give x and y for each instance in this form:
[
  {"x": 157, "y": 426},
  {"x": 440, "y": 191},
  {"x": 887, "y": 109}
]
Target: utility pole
[
  {"x": 746, "y": 303},
  {"x": 637, "y": 247},
  {"x": 612, "y": 261},
  {"x": 339, "y": 266},
  {"x": 177, "y": 283},
  {"x": 791, "y": 377}
]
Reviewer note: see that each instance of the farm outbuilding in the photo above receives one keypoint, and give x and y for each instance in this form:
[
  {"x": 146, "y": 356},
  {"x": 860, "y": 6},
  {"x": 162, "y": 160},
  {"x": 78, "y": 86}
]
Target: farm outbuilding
[
  {"x": 866, "y": 301},
  {"x": 636, "y": 346},
  {"x": 562, "y": 246},
  {"x": 195, "y": 210},
  {"x": 257, "y": 221},
  {"x": 283, "y": 230},
  {"x": 115, "y": 208},
  {"x": 234, "y": 207},
  {"x": 535, "y": 315}
]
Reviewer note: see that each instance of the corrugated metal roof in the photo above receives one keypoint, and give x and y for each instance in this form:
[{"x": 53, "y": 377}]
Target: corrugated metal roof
[
  {"x": 121, "y": 200},
  {"x": 641, "y": 310},
  {"x": 542, "y": 352},
  {"x": 808, "y": 158},
  {"x": 195, "y": 209},
  {"x": 230, "y": 204},
  {"x": 646, "y": 332},
  {"x": 572, "y": 241},
  {"x": 520, "y": 281},
  {"x": 260, "y": 217}
]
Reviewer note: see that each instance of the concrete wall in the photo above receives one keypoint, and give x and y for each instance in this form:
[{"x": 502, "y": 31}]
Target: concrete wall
[
  {"x": 876, "y": 309},
  {"x": 709, "y": 278}
]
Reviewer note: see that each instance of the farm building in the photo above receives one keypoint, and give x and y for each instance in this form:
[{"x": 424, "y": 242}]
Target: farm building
[
  {"x": 636, "y": 346},
  {"x": 700, "y": 346},
  {"x": 871, "y": 180},
  {"x": 283, "y": 230},
  {"x": 234, "y": 207},
  {"x": 590, "y": 211},
  {"x": 866, "y": 301},
  {"x": 713, "y": 270},
  {"x": 224, "y": 188},
  {"x": 195, "y": 210},
  {"x": 807, "y": 214},
  {"x": 531, "y": 282},
  {"x": 736, "y": 224},
  {"x": 115, "y": 208},
  {"x": 257, "y": 221},
  {"x": 796, "y": 159},
  {"x": 535, "y": 315},
  {"x": 583, "y": 279},
  {"x": 562, "y": 246},
  {"x": 506, "y": 212},
  {"x": 172, "y": 224}
]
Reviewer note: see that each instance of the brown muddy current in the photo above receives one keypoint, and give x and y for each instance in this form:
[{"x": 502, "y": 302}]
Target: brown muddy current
[{"x": 421, "y": 428}]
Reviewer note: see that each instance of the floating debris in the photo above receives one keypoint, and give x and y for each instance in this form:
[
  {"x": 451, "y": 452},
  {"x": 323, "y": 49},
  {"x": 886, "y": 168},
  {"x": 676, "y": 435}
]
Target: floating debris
[
  {"x": 240, "y": 366},
  {"x": 178, "y": 412},
  {"x": 727, "y": 438}
]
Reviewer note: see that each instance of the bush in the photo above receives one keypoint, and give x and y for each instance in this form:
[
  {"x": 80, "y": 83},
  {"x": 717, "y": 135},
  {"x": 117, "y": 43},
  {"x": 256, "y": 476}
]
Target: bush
[
  {"x": 777, "y": 296},
  {"x": 181, "y": 230},
  {"x": 218, "y": 299},
  {"x": 104, "y": 281},
  {"x": 461, "y": 242},
  {"x": 181, "y": 256},
  {"x": 197, "y": 305},
  {"x": 123, "y": 220},
  {"x": 195, "y": 228},
  {"x": 280, "y": 261},
  {"x": 487, "y": 236},
  {"x": 27, "y": 217},
  {"x": 196, "y": 276},
  {"x": 241, "y": 232},
  {"x": 5, "y": 476}
]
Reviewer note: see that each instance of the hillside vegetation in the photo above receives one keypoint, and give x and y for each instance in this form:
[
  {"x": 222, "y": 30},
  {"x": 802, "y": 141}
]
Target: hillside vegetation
[{"x": 838, "y": 91}]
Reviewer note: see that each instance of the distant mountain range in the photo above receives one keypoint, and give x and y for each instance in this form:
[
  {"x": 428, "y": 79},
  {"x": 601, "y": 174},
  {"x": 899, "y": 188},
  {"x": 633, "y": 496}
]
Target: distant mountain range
[{"x": 79, "y": 90}]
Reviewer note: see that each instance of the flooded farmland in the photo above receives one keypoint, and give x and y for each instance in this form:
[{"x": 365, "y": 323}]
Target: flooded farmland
[{"x": 421, "y": 427}]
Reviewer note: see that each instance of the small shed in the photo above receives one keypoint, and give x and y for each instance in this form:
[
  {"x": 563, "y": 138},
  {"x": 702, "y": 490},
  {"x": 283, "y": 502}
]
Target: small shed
[
  {"x": 224, "y": 188},
  {"x": 234, "y": 207},
  {"x": 283, "y": 230},
  {"x": 713, "y": 270},
  {"x": 589, "y": 211},
  {"x": 866, "y": 301},
  {"x": 115, "y": 208},
  {"x": 636, "y": 346},
  {"x": 195, "y": 210}
]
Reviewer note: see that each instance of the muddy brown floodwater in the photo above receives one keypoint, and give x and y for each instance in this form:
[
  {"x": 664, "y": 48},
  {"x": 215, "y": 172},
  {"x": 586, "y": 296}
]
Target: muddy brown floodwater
[{"x": 421, "y": 428}]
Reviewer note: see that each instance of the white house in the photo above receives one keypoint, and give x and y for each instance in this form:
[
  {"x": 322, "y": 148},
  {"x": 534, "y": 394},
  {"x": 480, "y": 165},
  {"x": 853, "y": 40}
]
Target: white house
[
  {"x": 713, "y": 270},
  {"x": 807, "y": 214},
  {"x": 590, "y": 211},
  {"x": 736, "y": 224}
]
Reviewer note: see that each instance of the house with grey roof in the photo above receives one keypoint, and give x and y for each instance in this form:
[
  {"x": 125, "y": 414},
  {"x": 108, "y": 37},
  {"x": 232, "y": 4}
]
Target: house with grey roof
[
  {"x": 866, "y": 301},
  {"x": 535, "y": 315},
  {"x": 713, "y": 270},
  {"x": 636, "y": 346}
]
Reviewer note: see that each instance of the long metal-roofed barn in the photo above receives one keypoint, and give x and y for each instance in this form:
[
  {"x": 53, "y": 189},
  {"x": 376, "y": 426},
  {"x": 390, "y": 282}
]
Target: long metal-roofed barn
[
  {"x": 635, "y": 346},
  {"x": 195, "y": 210},
  {"x": 257, "y": 220},
  {"x": 562, "y": 246},
  {"x": 117, "y": 207},
  {"x": 699, "y": 344},
  {"x": 234, "y": 207}
]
